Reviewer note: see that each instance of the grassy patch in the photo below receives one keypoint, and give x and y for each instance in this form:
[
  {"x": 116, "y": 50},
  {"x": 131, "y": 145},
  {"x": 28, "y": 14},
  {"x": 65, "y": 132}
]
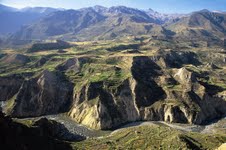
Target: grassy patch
[
  {"x": 26, "y": 122},
  {"x": 152, "y": 137},
  {"x": 10, "y": 104}
]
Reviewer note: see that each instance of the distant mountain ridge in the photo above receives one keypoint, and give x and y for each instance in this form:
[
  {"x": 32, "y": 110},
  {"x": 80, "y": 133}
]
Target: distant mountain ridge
[
  {"x": 4, "y": 8},
  {"x": 98, "y": 23},
  {"x": 42, "y": 10},
  {"x": 94, "y": 23},
  {"x": 201, "y": 25},
  {"x": 13, "y": 19}
]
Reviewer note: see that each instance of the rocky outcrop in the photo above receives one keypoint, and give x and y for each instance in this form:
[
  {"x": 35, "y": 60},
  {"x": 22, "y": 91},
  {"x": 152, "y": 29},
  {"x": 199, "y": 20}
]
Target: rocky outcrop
[
  {"x": 176, "y": 59},
  {"x": 149, "y": 94},
  {"x": 39, "y": 136},
  {"x": 16, "y": 59},
  {"x": 54, "y": 129},
  {"x": 46, "y": 94},
  {"x": 41, "y": 62},
  {"x": 70, "y": 64},
  {"x": 73, "y": 64},
  {"x": 9, "y": 86},
  {"x": 212, "y": 66},
  {"x": 99, "y": 108}
]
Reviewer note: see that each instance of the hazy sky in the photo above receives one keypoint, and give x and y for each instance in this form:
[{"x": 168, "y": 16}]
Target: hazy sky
[{"x": 165, "y": 6}]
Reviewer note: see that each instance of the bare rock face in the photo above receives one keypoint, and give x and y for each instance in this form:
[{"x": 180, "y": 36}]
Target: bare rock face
[
  {"x": 145, "y": 71},
  {"x": 185, "y": 78},
  {"x": 45, "y": 94},
  {"x": 99, "y": 108},
  {"x": 222, "y": 147}
]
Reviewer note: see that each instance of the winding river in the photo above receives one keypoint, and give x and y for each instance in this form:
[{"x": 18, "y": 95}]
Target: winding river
[
  {"x": 82, "y": 130},
  {"x": 76, "y": 128}
]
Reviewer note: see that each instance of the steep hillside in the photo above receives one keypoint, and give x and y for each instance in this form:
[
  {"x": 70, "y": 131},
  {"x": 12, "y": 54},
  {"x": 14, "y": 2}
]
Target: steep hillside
[
  {"x": 152, "y": 136},
  {"x": 13, "y": 19},
  {"x": 204, "y": 25},
  {"x": 59, "y": 23},
  {"x": 35, "y": 135},
  {"x": 164, "y": 18}
]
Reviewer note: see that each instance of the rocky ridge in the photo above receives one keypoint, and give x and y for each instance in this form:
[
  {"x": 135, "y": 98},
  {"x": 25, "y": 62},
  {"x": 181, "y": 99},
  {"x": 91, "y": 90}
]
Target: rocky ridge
[
  {"x": 44, "y": 94},
  {"x": 147, "y": 95}
]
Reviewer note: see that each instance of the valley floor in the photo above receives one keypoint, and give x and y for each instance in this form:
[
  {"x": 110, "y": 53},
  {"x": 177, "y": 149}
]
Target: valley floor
[
  {"x": 215, "y": 132},
  {"x": 73, "y": 127}
]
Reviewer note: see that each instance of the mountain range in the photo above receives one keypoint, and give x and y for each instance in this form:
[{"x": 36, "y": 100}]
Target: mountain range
[
  {"x": 112, "y": 78},
  {"x": 13, "y": 19},
  {"x": 101, "y": 23}
]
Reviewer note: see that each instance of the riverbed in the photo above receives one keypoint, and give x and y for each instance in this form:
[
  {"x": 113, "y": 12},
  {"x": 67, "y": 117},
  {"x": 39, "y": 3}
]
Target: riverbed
[{"x": 82, "y": 130}]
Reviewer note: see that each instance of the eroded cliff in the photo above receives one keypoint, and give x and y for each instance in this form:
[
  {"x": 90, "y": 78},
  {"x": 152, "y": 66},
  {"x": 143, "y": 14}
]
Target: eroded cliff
[
  {"x": 106, "y": 92},
  {"x": 152, "y": 92}
]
